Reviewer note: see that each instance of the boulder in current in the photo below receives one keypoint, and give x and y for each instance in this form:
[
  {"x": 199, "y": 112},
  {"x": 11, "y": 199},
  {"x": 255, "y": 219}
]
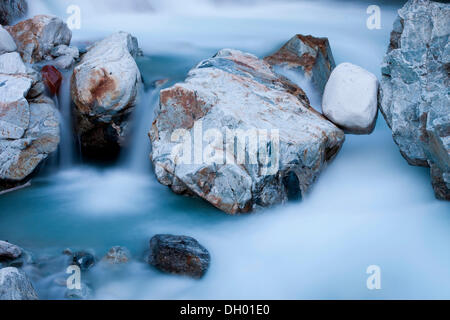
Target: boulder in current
[
  {"x": 9, "y": 251},
  {"x": 350, "y": 99},
  {"x": 84, "y": 260},
  {"x": 105, "y": 86},
  {"x": 179, "y": 255},
  {"x": 414, "y": 90},
  {"x": 257, "y": 141}
]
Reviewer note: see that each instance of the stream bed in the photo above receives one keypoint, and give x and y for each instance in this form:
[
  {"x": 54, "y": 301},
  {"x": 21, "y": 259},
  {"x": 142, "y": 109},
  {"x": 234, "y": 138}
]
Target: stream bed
[{"x": 369, "y": 206}]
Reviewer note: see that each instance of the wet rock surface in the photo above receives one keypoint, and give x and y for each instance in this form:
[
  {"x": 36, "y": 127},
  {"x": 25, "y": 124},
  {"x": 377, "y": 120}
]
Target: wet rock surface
[
  {"x": 52, "y": 78},
  {"x": 237, "y": 91},
  {"x": 85, "y": 293},
  {"x": 7, "y": 43},
  {"x": 307, "y": 56},
  {"x": 14, "y": 285},
  {"x": 9, "y": 251},
  {"x": 179, "y": 255},
  {"x": 350, "y": 99},
  {"x": 37, "y": 37},
  {"x": 105, "y": 86},
  {"x": 10, "y": 10},
  {"x": 84, "y": 260},
  {"x": 414, "y": 95}
]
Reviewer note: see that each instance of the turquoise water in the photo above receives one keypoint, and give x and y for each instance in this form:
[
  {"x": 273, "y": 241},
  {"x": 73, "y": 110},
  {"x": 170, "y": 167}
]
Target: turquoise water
[{"x": 369, "y": 206}]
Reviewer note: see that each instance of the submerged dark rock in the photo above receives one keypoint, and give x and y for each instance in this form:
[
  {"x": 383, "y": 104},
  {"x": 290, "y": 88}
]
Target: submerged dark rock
[
  {"x": 84, "y": 260},
  {"x": 414, "y": 95},
  {"x": 179, "y": 254}
]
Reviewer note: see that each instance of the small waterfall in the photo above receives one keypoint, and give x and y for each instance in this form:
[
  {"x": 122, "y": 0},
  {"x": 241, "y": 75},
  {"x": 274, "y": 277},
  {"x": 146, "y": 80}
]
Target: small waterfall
[
  {"x": 137, "y": 155},
  {"x": 63, "y": 102}
]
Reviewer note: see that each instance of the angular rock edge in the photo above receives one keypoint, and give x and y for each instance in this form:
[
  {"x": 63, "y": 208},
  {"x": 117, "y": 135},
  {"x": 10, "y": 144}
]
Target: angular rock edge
[
  {"x": 414, "y": 96},
  {"x": 236, "y": 90},
  {"x": 179, "y": 255}
]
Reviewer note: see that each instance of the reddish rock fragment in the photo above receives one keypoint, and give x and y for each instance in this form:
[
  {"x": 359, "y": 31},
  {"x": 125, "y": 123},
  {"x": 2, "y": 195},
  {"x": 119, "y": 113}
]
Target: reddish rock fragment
[{"x": 52, "y": 78}]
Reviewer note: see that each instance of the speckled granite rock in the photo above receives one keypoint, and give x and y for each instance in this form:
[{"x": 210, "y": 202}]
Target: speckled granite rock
[
  {"x": 7, "y": 43},
  {"x": 14, "y": 285},
  {"x": 237, "y": 91},
  {"x": 414, "y": 95}
]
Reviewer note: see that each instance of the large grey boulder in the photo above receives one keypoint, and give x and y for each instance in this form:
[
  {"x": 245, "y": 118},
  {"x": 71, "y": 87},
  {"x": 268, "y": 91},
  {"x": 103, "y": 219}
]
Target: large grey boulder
[
  {"x": 307, "y": 56},
  {"x": 350, "y": 99},
  {"x": 105, "y": 86},
  {"x": 179, "y": 255},
  {"x": 14, "y": 285},
  {"x": 224, "y": 100},
  {"x": 7, "y": 43},
  {"x": 37, "y": 37},
  {"x": 414, "y": 95},
  {"x": 11, "y": 10}
]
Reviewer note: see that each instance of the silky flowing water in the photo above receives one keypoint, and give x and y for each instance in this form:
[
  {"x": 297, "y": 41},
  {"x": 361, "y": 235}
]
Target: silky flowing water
[{"x": 369, "y": 206}]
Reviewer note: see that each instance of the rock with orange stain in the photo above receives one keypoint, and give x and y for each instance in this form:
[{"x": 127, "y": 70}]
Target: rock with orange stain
[
  {"x": 305, "y": 56},
  {"x": 105, "y": 86},
  {"x": 240, "y": 136},
  {"x": 37, "y": 37},
  {"x": 52, "y": 78}
]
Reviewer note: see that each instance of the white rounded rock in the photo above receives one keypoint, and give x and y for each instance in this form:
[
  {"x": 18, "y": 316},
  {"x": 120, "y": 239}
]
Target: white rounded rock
[{"x": 350, "y": 99}]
